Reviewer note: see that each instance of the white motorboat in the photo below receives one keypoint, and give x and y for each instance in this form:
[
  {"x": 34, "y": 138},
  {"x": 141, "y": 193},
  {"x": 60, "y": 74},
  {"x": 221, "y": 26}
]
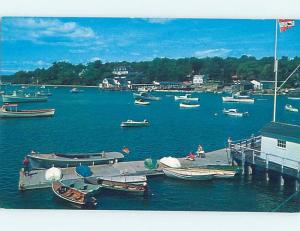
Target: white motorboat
[
  {"x": 12, "y": 111},
  {"x": 132, "y": 123},
  {"x": 234, "y": 112},
  {"x": 76, "y": 90},
  {"x": 290, "y": 108},
  {"x": 187, "y": 97},
  {"x": 141, "y": 102},
  {"x": 188, "y": 105},
  {"x": 237, "y": 98}
]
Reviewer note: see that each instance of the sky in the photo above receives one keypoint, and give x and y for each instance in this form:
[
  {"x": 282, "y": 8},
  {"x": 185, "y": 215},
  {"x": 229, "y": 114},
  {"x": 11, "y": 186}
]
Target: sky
[{"x": 28, "y": 43}]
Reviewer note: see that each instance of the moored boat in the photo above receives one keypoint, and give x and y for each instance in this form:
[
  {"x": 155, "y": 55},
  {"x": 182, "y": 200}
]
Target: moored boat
[
  {"x": 125, "y": 187},
  {"x": 188, "y": 105},
  {"x": 145, "y": 96},
  {"x": 131, "y": 123},
  {"x": 290, "y": 108},
  {"x": 237, "y": 98},
  {"x": 234, "y": 112},
  {"x": 11, "y": 111},
  {"x": 76, "y": 90},
  {"x": 141, "y": 102},
  {"x": 187, "y": 97},
  {"x": 22, "y": 98},
  {"x": 188, "y": 174},
  {"x": 73, "y": 195},
  {"x": 38, "y": 160}
]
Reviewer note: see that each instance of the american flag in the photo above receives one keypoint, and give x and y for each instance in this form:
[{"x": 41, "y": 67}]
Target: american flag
[{"x": 285, "y": 24}]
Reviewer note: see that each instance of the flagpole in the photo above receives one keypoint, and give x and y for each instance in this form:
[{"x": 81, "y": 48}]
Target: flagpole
[{"x": 276, "y": 71}]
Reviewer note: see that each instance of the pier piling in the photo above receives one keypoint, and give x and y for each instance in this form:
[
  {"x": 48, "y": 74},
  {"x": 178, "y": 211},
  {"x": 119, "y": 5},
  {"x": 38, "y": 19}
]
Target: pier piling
[{"x": 281, "y": 180}]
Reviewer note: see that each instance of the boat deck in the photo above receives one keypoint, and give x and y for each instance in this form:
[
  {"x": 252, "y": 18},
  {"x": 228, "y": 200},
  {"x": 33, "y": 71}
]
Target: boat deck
[{"x": 36, "y": 178}]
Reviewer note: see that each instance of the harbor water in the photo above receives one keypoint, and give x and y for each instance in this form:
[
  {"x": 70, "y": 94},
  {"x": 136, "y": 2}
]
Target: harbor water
[{"x": 90, "y": 122}]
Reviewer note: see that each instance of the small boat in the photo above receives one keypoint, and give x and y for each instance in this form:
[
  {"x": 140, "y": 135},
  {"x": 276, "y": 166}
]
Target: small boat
[
  {"x": 76, "y": 90},
  {"x": 234, "y": 112},
  {"x": 290, "y": 108},
  {"x": 188, "y": 105},
  {"x": 22, "y": 98},
  {"x": 189, "y": 174},
  {"x": 137, "y": 180},
  {"x": 39, "y": 161},
  {"x": 78, "y": 197},
  {"x": 294, "y": 98},
  {"x": 11, "y": 111},
  {"x": 187, "y": 97},
  {"x": 44, "y": 93},
  {"x": 131, "y": 123},
  {"x": 237, "y": 98},
  {"x": 141, "y": 102},
  {"x": 145, "y": 96},
  {"x": 125, "y": 187}
]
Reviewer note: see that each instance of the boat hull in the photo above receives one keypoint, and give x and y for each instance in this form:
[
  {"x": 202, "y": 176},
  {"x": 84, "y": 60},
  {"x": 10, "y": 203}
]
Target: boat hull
[
  {"x": 235, "y": 100},
  {"x": 182, "y": 105},
  {"x": 19, "y": 99},
  {"x": 27, "y": 114},
  {"x": 178, "y": 175},
  {"x": 38, "y": 161}
]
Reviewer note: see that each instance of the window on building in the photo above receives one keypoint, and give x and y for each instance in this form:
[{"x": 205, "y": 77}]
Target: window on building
[{"x": 281, "y": 143}]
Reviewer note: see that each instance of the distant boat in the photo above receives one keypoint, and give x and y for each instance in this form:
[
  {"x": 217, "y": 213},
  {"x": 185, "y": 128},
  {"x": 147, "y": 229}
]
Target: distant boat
[
  {"x": 145, "y": 96},
  {"x": 188, "y": 174},
  {"x": 294, "y": 98},
  {"x": 234, "y": 112},
  {"x": 187, "y": 97},
  {"x": 290, "y": 108},
  {"x": 38, "y": 160},
  {"x": 22, "y": 98},
  {"x": 137, "y": 189},
  {"x": 44, "y": 93},
  {"x": 74, "y": 193},
  {"x": 237, "y": 98},
  {"x": 188, "y": 105},
  {"x": 141, "y": 102},
  {"x": 76, "y": 90},
  {"x": 131, "y": 123},
  {"x": 11, "y": 111}
]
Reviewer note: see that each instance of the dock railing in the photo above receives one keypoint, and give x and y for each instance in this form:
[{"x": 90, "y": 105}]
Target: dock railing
[{"x": 252, "y": 147}]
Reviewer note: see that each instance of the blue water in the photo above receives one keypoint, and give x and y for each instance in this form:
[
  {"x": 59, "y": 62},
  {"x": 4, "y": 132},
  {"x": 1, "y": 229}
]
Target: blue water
[{"x": 90, "y": 122}]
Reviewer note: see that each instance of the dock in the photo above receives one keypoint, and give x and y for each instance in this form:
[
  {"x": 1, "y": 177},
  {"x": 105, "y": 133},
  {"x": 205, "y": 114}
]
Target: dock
[{"x": 36, "y": 178}]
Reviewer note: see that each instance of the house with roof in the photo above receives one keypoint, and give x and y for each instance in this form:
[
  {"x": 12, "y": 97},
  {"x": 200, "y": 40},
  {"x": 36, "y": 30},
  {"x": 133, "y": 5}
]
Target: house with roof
[
  {"x": 108, "y": 83},
  {"x": 280, "y": 144},
  {"x": 256, "y": 85}
]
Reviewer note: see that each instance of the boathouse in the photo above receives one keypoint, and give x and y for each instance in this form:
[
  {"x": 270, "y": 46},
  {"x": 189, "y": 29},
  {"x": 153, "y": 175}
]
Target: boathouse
[{"x": 280, "y": 144}]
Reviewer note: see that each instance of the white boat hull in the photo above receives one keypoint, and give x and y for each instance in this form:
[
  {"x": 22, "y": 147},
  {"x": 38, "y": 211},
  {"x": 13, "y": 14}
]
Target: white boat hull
[
  {"x": 182, "y": 105},
  {"x": 173, "y": 173},
  {"x": 20, "y": 114},
  {"x": 236, "y": 100}
]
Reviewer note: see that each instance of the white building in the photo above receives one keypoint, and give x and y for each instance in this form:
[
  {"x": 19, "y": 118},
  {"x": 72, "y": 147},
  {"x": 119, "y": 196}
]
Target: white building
[
  {"x": 256, "y": 85},
  {"x": 107, "y": 83},
  {"x": 198, "y": 79},
  {"x": 120, "y": 71},
  {"x": 280, "y": 143}
]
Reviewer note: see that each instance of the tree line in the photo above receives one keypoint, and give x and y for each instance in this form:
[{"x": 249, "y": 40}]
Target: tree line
[{"x": 161, "y": 69}]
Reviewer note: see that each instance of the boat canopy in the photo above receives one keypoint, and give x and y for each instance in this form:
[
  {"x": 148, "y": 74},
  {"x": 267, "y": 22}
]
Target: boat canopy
[
  {"x": 53, "y": 174},
  {"x": 84, "y": 170},
  {"x": 170, "y": 162}
]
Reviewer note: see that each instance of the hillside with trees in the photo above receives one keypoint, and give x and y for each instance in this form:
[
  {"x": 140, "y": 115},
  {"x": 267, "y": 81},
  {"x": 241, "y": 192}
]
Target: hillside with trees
[{"x": 161, "y": 69}]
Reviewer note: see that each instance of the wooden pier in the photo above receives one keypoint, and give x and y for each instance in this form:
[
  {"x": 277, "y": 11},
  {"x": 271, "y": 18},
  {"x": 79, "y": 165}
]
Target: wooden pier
[{"x": 36, "y": 178}]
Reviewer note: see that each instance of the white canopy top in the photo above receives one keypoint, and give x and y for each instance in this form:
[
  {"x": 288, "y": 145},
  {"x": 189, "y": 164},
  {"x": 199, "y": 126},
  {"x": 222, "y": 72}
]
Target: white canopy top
[
  {"x": 53, "y": 174},
  {"x": 170, "y": 162}
]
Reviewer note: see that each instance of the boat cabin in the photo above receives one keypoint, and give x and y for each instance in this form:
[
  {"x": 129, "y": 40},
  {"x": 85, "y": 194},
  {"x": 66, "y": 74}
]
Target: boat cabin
[{"x": 280, "y": 143}]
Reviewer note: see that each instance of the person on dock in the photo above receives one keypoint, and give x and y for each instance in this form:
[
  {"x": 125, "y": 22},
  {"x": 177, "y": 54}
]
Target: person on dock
[
  {"x": 200, "y": 152},
  {"x": 26, "y": 163}
]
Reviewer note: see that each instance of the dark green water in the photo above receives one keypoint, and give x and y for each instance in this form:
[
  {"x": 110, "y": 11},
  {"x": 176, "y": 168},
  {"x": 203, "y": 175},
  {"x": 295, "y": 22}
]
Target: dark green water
[{"x": 90, "y": 122}]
